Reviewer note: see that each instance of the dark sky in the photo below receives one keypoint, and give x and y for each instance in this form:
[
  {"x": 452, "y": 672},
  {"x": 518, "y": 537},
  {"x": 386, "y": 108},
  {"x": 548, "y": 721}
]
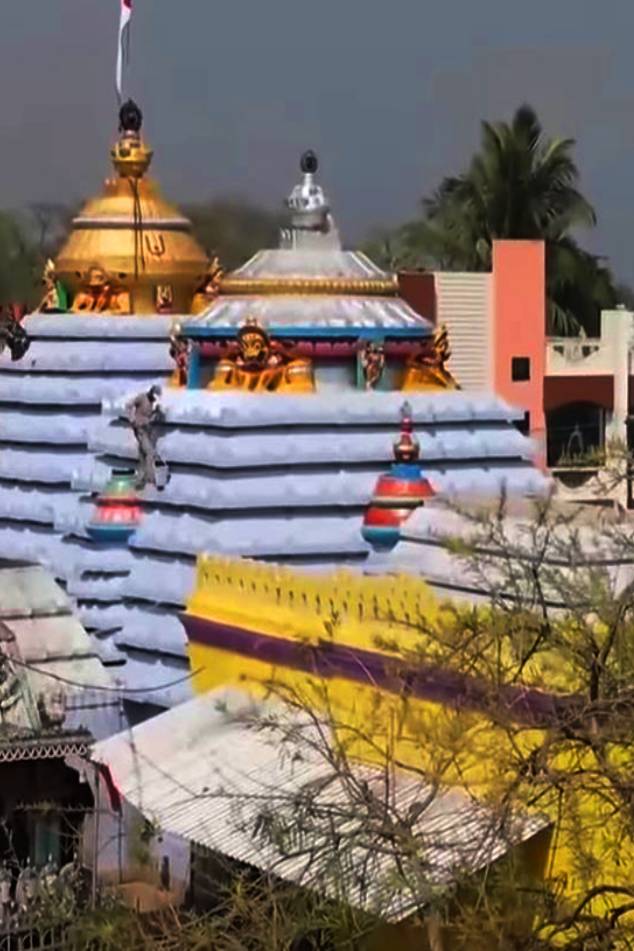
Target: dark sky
[{"x": 389, "y": 93}]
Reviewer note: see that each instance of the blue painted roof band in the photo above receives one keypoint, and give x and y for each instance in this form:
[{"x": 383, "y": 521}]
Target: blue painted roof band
[{"x": 320, "y": 333}]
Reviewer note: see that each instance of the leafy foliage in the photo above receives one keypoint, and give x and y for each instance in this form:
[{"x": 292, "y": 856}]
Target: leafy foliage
[
  {"x": 519, "y": 185},
  {"x": 234, "y": 229}
]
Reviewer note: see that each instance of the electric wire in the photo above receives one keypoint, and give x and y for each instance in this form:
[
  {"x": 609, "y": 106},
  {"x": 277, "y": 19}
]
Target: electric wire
[{"x": 84, "y": 686}]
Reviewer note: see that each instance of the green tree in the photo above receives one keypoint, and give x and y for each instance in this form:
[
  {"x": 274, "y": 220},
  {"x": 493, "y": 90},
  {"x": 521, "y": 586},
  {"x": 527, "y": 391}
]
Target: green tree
[
  {"x": 519, "y": 185},
  {"x": 234, "y": 229},
  {"x": 18, "y": 261}
]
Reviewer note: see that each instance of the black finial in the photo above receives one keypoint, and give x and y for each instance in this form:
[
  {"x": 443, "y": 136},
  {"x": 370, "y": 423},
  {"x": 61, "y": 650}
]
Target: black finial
[
  {"x": 309, "y": 163},
  {"x": 130, "y": 117}
]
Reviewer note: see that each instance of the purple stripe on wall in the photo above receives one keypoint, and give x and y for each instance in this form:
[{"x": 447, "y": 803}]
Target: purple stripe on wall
[{"x": 424, "y": 682}]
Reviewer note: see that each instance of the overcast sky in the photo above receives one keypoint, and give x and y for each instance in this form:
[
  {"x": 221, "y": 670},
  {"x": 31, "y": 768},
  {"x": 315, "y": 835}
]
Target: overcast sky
[{"x": 389, "y": 93}]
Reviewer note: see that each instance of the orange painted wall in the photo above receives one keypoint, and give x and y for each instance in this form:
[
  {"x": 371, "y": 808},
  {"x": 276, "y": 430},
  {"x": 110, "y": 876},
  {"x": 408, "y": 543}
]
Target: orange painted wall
[{"x": 519, "y": 326}]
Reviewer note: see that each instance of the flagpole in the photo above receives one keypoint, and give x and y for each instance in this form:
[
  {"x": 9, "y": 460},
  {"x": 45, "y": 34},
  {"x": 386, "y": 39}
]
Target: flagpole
[{"x": 123, "y": 45}]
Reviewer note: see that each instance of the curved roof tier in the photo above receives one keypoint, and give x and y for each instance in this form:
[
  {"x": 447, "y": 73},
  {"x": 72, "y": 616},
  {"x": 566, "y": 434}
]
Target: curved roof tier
[
  {"x": 313, "y": 315},
  {"x": 294, "y": 263}
]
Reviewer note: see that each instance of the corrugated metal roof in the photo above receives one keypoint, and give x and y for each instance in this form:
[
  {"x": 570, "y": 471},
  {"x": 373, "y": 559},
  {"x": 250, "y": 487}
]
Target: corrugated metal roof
[
  {"x": 316, "y": 262},
  {"x": 49, "y": 651},
  {"x": 202, "y": 772},
  {"x": 320, "y": 310}
]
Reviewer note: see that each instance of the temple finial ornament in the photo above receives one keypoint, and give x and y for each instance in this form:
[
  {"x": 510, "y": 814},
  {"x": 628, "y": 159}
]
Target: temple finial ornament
[
  {"x": 130, "y": 156},
  {"x": 397, "y": 493},
  {"x": 426, "y": 368},
  {"x": 130, "y": 118},
  {"x": 309, "y": 163},
  {"x": 406, "y": 447},
  {"x": 309, "y": 207}
]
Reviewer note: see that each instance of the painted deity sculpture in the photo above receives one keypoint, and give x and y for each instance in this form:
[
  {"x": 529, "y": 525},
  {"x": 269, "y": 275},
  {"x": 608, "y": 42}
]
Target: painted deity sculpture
[
  {"x": 372, "y": 359},
  {"x": 100, "y": 296},
  {"x": 258, "y": 364},
  {"x": 180, "y": 349},
  {"x": 210, "y": 289},
  {"x": 55, "y": 300},
  {"x": 426, "y": 368}
]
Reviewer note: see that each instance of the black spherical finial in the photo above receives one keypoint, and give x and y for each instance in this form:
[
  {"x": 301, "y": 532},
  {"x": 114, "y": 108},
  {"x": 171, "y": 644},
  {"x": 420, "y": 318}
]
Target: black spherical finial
[
  {"x": 309, "y": 163},
  {"x": 130, "y": 117}
]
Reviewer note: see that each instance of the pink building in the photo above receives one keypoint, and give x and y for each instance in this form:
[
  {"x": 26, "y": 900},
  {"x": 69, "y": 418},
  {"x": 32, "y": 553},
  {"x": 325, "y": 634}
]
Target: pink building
[{"x": 575, "y": 393}]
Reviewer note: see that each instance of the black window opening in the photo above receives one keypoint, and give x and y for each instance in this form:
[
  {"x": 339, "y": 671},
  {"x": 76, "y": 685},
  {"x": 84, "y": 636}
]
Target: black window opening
[
  {"x": 575, "y": 436},
  {"x": 520, "y": 369}
]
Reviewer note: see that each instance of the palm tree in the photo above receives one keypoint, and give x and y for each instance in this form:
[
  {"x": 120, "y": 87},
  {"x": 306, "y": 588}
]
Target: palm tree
[{"x": 520, "y": 186}]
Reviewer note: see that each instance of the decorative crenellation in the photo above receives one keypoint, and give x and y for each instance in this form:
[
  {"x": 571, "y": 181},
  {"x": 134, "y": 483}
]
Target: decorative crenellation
[{"x": 341, "y": 605}]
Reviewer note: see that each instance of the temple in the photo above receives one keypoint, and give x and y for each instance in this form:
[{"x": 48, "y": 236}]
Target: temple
[{"x": 284, "y": 395}]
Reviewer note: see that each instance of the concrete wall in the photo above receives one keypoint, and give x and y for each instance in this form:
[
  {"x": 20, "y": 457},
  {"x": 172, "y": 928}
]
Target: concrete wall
[{"x": 519, "y": 326}]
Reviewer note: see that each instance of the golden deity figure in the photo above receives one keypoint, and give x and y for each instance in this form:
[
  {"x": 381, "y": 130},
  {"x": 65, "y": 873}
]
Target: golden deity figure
[
  {"x": 209, "y": 290},
  {"x": 426, "y": 368},
  {"x": 55, "y": 300},
  {"x": 100, "y": 296},
  {"x": 258, "y": 364}
]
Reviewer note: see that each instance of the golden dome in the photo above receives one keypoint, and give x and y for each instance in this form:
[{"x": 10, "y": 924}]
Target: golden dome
[{"x": 132, "y": 239}]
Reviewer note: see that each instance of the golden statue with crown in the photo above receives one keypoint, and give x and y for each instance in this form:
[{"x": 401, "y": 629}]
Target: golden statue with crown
[
  {"x": 426, "y": 367},
  {"x": 258, "y": 364}
]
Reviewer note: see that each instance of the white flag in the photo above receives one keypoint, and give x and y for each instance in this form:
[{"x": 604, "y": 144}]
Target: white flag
[{"x": 122, "y": 52}]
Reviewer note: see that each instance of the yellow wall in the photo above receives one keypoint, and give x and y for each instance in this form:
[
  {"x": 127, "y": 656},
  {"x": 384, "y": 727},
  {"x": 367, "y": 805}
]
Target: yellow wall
[{"x": 461, "y": 747}]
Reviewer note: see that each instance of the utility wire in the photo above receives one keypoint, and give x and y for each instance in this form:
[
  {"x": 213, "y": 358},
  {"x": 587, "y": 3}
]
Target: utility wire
[{"x": 84, "y": 686}]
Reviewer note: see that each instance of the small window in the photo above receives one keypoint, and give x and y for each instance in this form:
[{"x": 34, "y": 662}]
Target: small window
[{"x": 520, "y": 369}]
